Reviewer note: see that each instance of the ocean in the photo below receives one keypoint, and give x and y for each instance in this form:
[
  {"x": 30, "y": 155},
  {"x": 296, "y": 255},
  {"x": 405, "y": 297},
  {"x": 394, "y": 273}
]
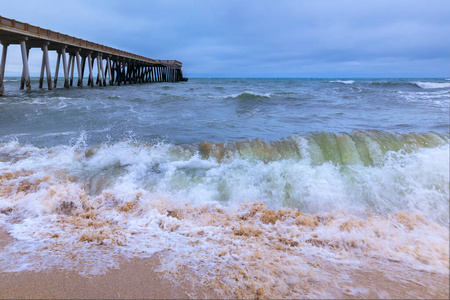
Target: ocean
[{"x": 252, "y": 185}]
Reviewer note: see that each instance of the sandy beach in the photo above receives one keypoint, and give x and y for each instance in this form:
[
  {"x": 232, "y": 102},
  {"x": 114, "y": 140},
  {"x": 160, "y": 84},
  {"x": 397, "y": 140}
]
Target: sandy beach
[{"x": 136, "y": 279}]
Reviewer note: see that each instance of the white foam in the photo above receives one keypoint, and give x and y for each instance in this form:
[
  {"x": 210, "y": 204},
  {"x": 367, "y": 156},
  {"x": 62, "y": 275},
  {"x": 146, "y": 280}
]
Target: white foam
[
  {"x": 432, "y": 85},
  {"x": 249, "y": 94},
  {"x": 209, "y": 216},
  {"x": 344, "y": 81}
]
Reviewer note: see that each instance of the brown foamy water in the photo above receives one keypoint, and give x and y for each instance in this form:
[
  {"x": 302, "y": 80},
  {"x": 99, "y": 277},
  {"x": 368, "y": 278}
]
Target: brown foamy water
[{"x": 244, "y": 250}]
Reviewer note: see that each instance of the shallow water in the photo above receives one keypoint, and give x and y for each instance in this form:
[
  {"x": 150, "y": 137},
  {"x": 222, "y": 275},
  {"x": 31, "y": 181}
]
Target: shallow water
[{"x": 242, "y": 181}]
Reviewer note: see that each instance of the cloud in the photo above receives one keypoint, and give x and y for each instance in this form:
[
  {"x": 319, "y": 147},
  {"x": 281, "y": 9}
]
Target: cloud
[{"x": 263, "y": 38}]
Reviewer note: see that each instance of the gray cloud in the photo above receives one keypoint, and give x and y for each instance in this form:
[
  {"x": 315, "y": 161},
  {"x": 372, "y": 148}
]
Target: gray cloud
[{"x": 263, "y": 38}]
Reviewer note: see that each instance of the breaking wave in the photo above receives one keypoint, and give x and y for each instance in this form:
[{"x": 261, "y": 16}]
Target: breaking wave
[
  {"x": 249, "y": 95},
  {"x": 239, "y": 214},
  {"x": 432, "y": 85},
  {"x": 344, "y": 81}
]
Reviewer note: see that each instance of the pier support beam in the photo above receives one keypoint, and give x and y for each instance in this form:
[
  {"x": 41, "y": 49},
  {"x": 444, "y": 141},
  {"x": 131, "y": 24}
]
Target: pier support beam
[
  {"x": 102, "y": 70},
  {"x": 80, "y": 73},
  {"x": 91, "y": 77},
  {"x": 71, "y": 67},
  {"x": 65, "y": 67},
  {"x": 41, "y": 77},
  {"x": 58, "y": 60},
  {"x": 108, "y": 69},
  {"x": 2, "y": 69},
  {"x": 26, "y": 70},
  {"x": 99, "y": 73},
  {"x": 45, "y": 66}
]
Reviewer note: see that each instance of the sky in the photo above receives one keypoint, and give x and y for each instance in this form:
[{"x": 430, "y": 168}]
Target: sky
[{"x": 249, "y": 38}]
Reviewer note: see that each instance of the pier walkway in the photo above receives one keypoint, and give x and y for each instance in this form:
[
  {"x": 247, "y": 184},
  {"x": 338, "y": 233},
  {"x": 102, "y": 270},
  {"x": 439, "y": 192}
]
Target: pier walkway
[{"x": 114, "y": 67}]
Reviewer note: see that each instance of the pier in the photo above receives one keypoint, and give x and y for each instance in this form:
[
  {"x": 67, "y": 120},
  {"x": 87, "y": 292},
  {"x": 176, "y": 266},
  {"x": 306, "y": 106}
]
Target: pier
[{"x": 114, "y": 67}]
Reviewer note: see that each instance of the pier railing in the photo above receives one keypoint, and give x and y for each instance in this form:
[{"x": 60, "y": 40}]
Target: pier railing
[{"x": 121, "y": 67}]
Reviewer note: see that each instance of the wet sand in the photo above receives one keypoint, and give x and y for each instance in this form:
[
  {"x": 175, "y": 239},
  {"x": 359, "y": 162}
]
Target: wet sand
[{"x": 136, "y": 279}]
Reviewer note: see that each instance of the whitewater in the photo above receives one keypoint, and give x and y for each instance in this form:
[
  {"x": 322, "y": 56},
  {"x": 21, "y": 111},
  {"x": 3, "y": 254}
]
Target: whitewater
[{"x": 259, "y": 187}]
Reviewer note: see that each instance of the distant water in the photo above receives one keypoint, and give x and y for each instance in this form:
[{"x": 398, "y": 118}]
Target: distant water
[
  {"x": 222, "y": 110},
  {"x": 358, "y": 167}
]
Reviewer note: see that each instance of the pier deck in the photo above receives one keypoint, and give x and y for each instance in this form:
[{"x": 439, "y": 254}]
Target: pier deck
[{"x": 113, "y": 65}]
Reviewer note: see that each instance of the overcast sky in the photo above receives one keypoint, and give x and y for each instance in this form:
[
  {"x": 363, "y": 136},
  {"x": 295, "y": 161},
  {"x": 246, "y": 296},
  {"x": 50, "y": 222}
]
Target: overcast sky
[{"x": 215, "y": 38}]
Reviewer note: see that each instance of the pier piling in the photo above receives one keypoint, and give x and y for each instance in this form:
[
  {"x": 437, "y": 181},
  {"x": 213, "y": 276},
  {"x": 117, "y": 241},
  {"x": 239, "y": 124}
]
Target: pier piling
[{"x": 114, "y": 66}]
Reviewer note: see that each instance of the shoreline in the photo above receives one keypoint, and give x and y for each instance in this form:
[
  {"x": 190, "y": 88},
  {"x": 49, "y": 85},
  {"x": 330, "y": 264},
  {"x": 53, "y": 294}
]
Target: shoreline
[{"x": 136, "y": 279}]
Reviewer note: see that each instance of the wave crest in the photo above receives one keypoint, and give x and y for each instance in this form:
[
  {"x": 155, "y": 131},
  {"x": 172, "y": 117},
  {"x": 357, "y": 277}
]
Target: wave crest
[
  {"x": 249, "y": 95},
  {"x": 432, "y": 85}
]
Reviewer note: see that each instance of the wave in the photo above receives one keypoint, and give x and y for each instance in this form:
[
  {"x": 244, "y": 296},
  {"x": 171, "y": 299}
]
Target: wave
[
  {"x": 344, "y": 81},
  {"x": 366, "y": 147},
  {"x": 432, "y": 85},
  {"x": 223, "y": 210},
  {"x": 289, "y": 172},
  {"x": 249, "y": 95}
]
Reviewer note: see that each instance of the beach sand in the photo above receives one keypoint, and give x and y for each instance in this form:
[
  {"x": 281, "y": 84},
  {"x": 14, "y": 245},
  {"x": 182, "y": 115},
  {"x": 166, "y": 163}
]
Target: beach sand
[
  {"x": 137, "y": 279},
  {"x": 134, "y": 280}
]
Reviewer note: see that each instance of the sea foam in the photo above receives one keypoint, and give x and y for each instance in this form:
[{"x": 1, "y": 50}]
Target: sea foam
[
  {"x": 238, "y": 215},
  {"x": 432, "y": 85}
]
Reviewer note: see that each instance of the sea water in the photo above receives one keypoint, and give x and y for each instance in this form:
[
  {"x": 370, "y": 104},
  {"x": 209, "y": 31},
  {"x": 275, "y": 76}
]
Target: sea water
[{"x": 251, "y": 184}]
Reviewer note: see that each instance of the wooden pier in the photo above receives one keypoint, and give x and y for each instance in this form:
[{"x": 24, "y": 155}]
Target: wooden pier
[{"x": 114, "y": 67}]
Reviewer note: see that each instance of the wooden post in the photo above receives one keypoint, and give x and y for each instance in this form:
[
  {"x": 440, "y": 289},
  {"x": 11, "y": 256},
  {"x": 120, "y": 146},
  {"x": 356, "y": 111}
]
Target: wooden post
[
  {"x": 132, "y": 73},
  {"x": 80, "y": 73},
  {"x": 122, "y": 72},
  {"x": 108, "y": 61},
  {"x": 26, "y": 70},
  {"x": 2, "y": 69},
  {"x": 131, "y": 78},
  {"x": 127, "y": 73},
  {"x": 41, "y": 77},
  {"x": 103, "y": 71},
  {"x": 91, "y": 77},
  {"x": 99, "y": 73},
  {"x": 68, "y": 66},
  {"x": 72, "y": 69},
  {"x": 113, "y": 68},
  {"x": 138, "y": 74},
  {"x": 83, "y": 65},
  {"x": 116, "y": 71},
  {"x": 66, "y": 71},
  {"x": 47, "y": 67},
  {"x": 57, "y": 68}
]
